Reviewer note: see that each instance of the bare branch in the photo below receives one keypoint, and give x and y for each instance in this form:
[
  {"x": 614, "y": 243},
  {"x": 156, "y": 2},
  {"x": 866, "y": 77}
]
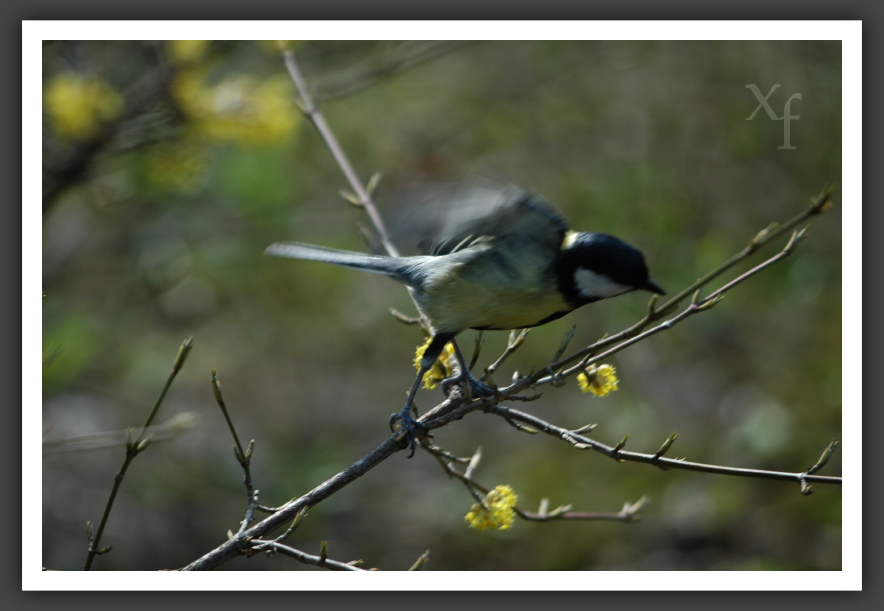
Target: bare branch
[
  {"x": 311, "y": 110},
  {"x": 405, "y": 56},
  {"x": 627, "y": 514},
  {"x": 240, "y": 543},
  {"x": 134, "y": 446},
  {"x": 654, "y": 459},
  {"x": 274, "y": 547}
]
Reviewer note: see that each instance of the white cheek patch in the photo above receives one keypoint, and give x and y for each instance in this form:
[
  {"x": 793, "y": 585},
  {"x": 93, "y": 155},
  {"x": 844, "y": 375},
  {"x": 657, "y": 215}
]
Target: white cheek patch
[{"x": 596, "y": 286}]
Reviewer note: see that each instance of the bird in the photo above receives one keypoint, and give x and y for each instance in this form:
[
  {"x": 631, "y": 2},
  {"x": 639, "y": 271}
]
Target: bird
[{"x": 502, "y": 258}]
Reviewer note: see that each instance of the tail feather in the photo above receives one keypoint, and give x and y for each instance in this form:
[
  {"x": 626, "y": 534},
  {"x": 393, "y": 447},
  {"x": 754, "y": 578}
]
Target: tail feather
[{"x": 395, "y": 267}]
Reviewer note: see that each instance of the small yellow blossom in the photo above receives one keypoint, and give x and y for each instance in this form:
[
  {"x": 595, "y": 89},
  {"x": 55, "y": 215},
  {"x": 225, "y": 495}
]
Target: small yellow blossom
[
  {"x": 598, "y": 379},
  {"x": 240, "y": 108},
  {"x": 183, "y": 52},
  {"x": 500, "y": 512},
  {"x": 440, "y": 369},
  {"x": 278, "y": 46},
  {"x": 77, "y": 105}
]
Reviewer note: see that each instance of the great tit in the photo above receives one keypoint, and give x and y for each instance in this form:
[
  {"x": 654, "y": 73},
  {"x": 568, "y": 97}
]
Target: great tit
[{"x": 503, "y": 259}]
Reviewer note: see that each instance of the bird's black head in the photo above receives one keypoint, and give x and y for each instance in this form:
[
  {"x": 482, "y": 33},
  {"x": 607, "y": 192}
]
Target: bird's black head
[{"x": 595, "y": 266}]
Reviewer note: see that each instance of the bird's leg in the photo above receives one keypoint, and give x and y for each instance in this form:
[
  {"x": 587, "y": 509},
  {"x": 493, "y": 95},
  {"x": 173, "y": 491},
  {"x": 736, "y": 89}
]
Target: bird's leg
[
  {"x": 412, "y": 427},
  {"x": 472, "y": 386}
]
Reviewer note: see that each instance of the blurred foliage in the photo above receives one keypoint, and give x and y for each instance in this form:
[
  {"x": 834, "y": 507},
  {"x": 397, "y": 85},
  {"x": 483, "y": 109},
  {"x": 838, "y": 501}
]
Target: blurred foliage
[{"x": 168, "y": 168}]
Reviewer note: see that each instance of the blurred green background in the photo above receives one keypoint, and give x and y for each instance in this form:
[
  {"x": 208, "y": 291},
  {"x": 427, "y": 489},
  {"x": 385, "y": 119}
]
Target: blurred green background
[{"x": 168, "y": 168}]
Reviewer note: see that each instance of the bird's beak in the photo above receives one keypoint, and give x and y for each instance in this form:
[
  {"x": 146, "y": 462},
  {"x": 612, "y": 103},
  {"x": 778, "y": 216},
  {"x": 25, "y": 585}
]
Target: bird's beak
[{"x": 652, "y": 286}]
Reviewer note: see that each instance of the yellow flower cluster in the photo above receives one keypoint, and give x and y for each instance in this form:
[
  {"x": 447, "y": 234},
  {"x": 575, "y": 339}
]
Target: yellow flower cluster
[
  {"x": 78, "y": 105},
  {"x": 599, "y": 380},
  {"x": 440, "y": 369},
  {"x": 500, "y": 513},
  {"x": 183, "y": 52},
  {"x": 240, "y": 108}
]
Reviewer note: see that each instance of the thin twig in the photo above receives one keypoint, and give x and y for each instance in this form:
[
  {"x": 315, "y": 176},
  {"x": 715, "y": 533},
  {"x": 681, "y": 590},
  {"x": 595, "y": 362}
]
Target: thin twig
[
  {"x": 173, "y": 427},
  {"x": 699, "y": 305},
  {"x": 655, "y": 459},
  {"x": 820, "y": 204},
  {"x": 513, "y": 344},
  {"x": 421, "y": 561},
  {"x": 133, "y": 448},
  {"x": 250, "y": 512},
  {"x": 244, "y": 457},
  {"x": 274, "y": 547},
  {"x": 436, "y": 417},
  {"x": 367, "y": 75},
  {"x": 311, "y": 110},
  {"x": 627, "y": 514},
  {"x": 241, "y": 542}
]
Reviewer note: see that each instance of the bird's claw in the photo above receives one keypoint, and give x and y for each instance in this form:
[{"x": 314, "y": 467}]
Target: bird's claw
[
  {"x": 471, "y": 386},
  {"x": 412, "y": 428}
]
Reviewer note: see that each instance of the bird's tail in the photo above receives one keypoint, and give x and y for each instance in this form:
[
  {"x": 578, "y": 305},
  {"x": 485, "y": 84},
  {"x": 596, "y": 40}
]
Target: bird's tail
[{"x": 395, "y": 267}]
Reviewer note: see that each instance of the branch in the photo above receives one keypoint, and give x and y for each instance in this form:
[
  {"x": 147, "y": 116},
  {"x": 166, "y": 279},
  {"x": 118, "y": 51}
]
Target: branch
[
  {"x": 616, "y": 452},
  {"x": 243, "y": 457},
  {"x": 392, "y": 64},
  {"x": 455, "y": 407},
  {"x": 240, "y": 543},
  {"x": 169, "y": 429},
  {"x": 272, "y": 547},
  {"x": 133, "y": 448},
  {"x": 820, "y": 204},
  {"x": 276, "y": 545},
  {"x": 630, "y": 337},
  {"x": 513, "y": 344},
  {"x": 629, "y": 512},
  {"x": 311, "y": 110}
]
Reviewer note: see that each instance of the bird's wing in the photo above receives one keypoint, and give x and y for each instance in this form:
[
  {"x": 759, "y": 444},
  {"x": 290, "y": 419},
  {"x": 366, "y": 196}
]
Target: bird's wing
[{"x": 508, "y": 214}]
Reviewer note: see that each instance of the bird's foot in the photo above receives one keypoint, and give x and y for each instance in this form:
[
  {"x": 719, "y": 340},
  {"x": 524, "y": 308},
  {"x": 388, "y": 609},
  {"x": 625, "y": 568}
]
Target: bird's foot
[
  {"x": 412, "y": 428},
  {"x": 471, "y": 386}
]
